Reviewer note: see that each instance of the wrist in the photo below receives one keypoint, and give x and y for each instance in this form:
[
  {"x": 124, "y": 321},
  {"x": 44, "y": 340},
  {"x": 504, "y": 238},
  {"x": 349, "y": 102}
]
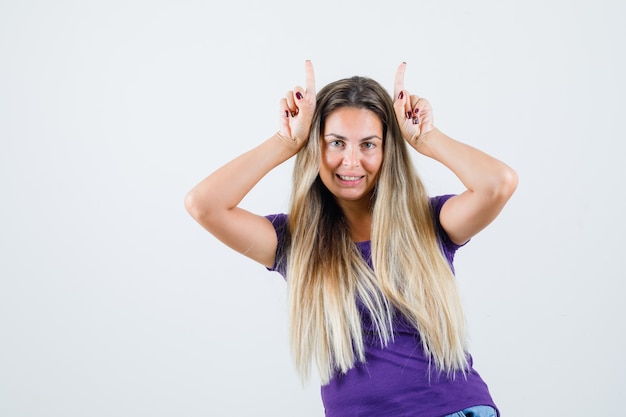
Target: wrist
[
  {"x": 289, "y": 146},
  {"x": 421, "y": 143}
]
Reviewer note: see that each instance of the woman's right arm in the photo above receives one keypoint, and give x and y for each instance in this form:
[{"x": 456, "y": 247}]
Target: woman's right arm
[{"x": 214, "y": 201}]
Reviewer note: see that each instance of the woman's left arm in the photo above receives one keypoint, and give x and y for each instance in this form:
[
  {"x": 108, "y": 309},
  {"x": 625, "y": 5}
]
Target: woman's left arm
[{"x": 489, "y": 182}]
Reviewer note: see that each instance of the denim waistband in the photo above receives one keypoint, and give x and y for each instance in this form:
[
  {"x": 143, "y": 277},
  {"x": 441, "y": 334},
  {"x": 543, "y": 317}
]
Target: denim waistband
[{"x": 477, "y": 411}]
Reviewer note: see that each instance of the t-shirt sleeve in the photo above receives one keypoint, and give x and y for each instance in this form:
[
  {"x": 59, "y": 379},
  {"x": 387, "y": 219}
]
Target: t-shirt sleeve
[
  {"x": 448, "y": 247},
  {"x": 279, "y": 221}
]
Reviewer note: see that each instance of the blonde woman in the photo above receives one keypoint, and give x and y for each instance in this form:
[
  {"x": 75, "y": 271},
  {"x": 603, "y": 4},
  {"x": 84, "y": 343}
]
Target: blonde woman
[{"x": 366, "y": 253}]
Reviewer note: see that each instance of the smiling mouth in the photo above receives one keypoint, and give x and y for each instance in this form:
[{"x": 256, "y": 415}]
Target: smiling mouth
[{"x": 348, "y": 178}]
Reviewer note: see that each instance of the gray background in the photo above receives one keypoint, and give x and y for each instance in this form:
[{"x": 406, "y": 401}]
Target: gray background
[{"x": 113, "y": 302}]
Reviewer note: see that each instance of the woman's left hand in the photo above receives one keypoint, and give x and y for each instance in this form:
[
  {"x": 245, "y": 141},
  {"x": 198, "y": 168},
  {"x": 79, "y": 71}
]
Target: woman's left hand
[{"x": 414, "y": 114}]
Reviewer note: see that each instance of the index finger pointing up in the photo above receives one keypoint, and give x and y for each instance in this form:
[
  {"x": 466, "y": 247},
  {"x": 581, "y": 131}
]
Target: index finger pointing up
[
  {"x": 399, "y": 83},
  {"x": 309, "y": 76}
]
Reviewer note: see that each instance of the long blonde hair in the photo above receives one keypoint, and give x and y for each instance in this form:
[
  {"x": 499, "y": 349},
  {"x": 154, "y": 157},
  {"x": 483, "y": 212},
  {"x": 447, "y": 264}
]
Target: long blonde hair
[{"x": 327, "y": 275}]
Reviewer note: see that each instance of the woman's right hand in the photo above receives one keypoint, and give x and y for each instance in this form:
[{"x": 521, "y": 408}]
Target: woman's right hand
[{"x": 297, "y": 108}]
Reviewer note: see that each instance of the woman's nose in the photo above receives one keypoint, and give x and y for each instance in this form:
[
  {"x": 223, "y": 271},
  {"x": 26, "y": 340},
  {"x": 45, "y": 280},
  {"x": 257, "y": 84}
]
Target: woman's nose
[{"x": 351, "y": 157}]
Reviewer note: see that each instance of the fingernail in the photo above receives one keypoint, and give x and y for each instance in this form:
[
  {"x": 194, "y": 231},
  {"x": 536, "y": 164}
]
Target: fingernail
[
  {"x": 286, "y": 113},
  {"x": 401, "y": 95},
  {"x": 299, "y": 95},
  {"x": 416, "y": 121},
  {"x": 293, "y": 114},
  {"x": 417, "y": 111},
  {"x": 408, "y": 115}
]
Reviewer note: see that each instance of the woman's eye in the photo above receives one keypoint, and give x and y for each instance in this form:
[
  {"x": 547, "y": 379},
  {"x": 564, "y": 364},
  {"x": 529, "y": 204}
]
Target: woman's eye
[
  {"x": 335, "y": 143},
  {"x": 368, "y": 145}
]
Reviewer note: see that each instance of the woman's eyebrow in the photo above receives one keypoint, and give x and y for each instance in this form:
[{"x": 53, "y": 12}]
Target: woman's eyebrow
[{"x": 335, "y": 135}]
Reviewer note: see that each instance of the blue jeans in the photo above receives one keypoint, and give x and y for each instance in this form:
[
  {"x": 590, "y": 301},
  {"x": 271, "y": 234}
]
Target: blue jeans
[{"x": 477, "y": 411}]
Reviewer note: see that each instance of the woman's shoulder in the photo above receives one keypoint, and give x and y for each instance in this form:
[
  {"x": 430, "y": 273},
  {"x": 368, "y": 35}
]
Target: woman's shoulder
[
  {"x": 281, "y": 225},
  {"x": 448, "y": 247},
  {"x": 277, "y": 219},
  {"x": 437, "y": 202}
]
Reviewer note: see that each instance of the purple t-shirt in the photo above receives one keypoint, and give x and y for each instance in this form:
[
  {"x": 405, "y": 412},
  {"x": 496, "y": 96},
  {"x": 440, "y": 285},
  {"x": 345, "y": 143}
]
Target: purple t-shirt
[{"x": 396, "y": 380}]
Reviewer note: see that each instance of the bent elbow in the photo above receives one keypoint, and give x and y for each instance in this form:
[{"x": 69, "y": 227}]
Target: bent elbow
[
  {"x": 193, "y": 206},
  {"x": 204, "y": 209},
  {"x": 510, "y": 181},
  {"x": 506, "y": 184}
]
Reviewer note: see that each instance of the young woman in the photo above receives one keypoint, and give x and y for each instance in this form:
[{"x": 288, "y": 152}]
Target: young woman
[{"x": 366, "y": 253}]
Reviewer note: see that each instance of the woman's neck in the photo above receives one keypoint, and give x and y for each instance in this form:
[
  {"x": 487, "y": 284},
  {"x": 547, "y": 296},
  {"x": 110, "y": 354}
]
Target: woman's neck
[{"x": 359, "y": 218}]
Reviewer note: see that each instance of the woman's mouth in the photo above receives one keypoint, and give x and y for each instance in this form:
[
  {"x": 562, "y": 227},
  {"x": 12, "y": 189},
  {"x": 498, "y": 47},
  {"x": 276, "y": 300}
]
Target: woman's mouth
[{"x": 349, "y": 178}]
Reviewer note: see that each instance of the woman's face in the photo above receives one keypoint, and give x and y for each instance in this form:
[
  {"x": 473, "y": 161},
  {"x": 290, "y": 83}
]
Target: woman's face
[{"x": 352, "y": 153}]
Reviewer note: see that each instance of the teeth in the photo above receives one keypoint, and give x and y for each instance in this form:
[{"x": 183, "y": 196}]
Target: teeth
[{"x": 345, "y": 178}]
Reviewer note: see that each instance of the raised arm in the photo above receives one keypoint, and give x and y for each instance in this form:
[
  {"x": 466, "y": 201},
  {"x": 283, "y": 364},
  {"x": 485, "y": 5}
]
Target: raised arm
[
  {"x": 489, "y": 182},
  {"x": 214, "y": 201}
]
